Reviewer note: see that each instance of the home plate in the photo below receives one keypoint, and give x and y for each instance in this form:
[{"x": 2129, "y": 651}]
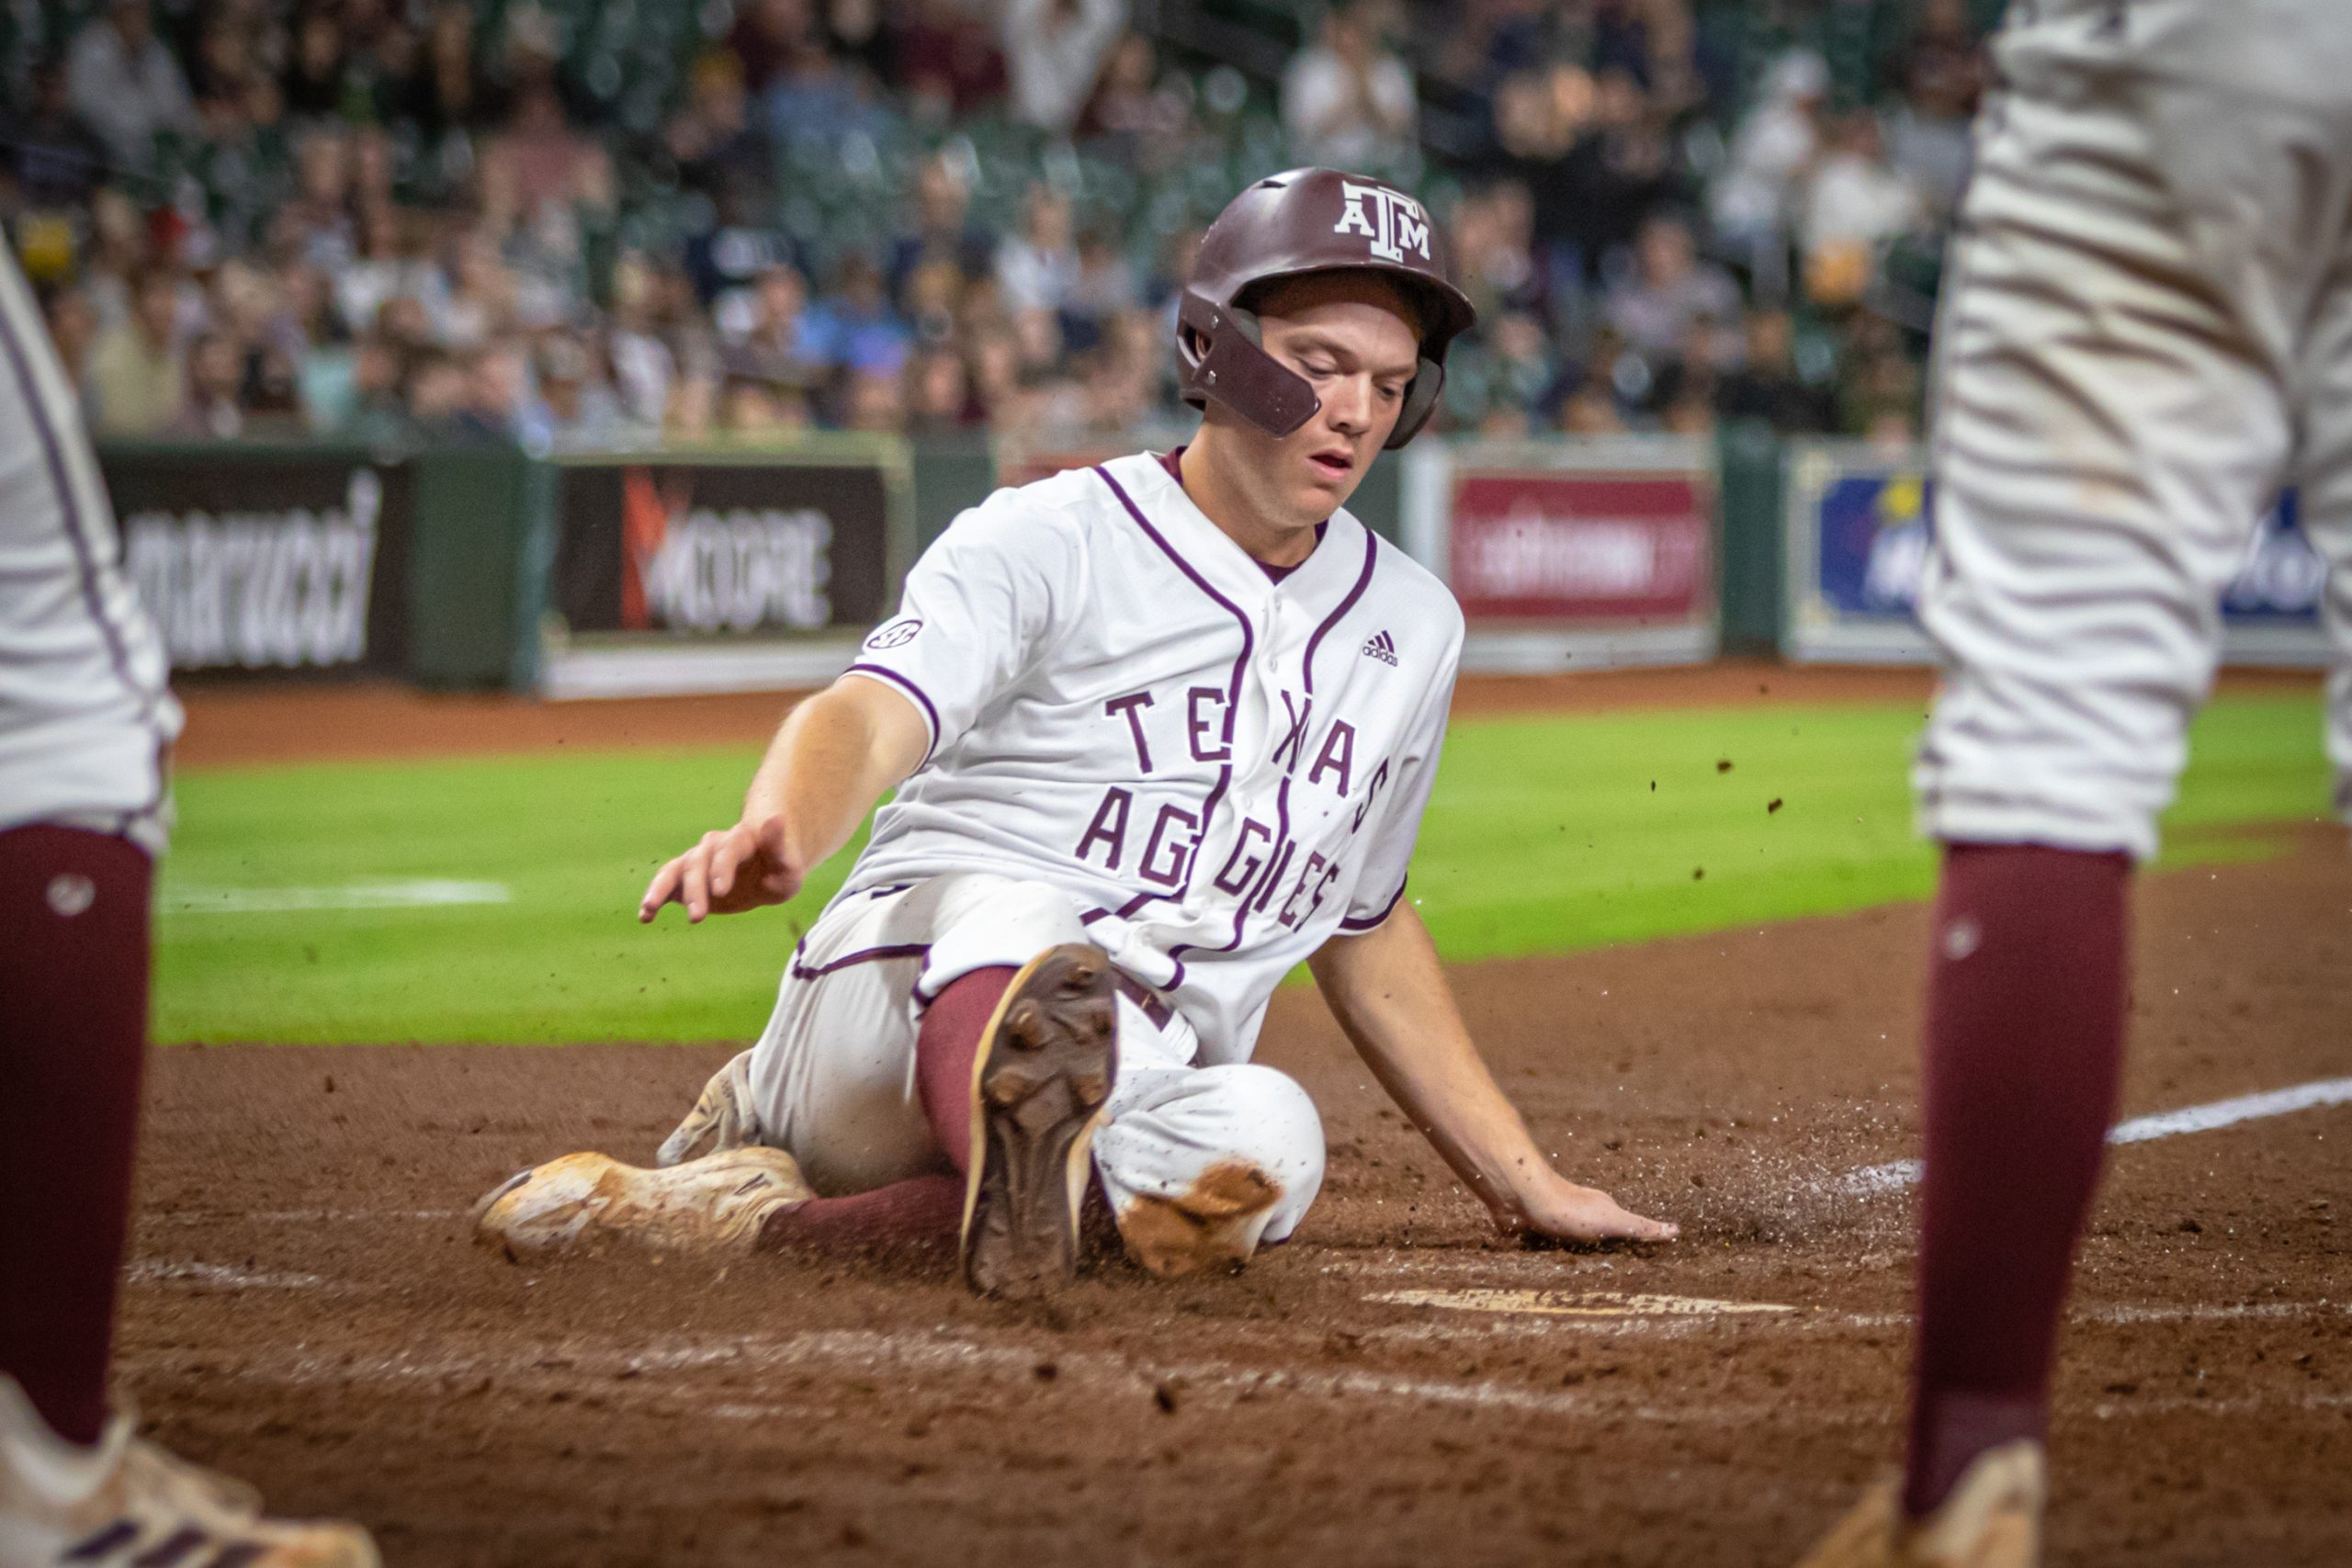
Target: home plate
[{"x": 1577, "y": 1304}]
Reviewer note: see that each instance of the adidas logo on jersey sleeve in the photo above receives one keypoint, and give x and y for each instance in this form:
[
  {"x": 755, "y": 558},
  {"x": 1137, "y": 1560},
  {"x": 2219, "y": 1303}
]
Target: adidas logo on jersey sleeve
[{"x": 1380, "y": 646}]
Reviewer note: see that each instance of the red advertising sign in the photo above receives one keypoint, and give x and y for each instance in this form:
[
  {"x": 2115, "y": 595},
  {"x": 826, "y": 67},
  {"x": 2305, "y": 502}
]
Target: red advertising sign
[{"x": 1591, "y": 545}]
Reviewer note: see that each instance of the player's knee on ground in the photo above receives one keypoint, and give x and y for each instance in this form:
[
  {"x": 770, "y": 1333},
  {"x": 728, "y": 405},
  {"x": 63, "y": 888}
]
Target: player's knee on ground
[{"x": 1231, "y": 1160}]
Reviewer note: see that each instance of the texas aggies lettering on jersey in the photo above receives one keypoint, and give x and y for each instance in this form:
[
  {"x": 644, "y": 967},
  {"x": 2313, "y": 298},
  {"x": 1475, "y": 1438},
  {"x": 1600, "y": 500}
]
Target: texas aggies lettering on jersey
[{"x": 1122, "y": 704}]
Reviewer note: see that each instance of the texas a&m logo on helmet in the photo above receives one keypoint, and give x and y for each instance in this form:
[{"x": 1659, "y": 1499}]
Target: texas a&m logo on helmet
[{"x": 1390, "y": 221}]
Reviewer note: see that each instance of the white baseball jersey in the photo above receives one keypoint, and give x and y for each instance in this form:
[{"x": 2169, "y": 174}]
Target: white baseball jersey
[
  {"x": 2147, "y": 330},
  {"x": 85, "y": 717},
  {"x": 1219, "y": 769}
]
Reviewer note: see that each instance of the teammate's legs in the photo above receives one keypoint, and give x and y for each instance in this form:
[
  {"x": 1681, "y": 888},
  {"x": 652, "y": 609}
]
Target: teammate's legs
[
  {"x": 2325, "y": 493},
  {"x": 72, "y": 1039},
  {"x": 2113, "y": 393}
]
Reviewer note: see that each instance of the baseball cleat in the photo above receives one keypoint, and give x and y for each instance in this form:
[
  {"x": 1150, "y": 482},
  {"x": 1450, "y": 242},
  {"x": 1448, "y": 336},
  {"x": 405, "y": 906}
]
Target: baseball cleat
[
  {"x": 1992, "y": 1519},
  {"x": 715, "y": 1203},
  {"x": 722, "y": 1117},
  {"x": 1039, "y": 1081},
  {"x": 127, "y": 1503}
]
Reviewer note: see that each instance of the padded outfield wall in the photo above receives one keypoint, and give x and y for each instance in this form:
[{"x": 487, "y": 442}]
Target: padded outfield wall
[{"x": 652, "y": 571}]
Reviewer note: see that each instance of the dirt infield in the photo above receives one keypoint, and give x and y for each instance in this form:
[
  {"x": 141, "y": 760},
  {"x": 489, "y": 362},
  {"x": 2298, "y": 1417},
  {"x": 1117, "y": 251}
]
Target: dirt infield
[{"x": 308, "y": 1308}]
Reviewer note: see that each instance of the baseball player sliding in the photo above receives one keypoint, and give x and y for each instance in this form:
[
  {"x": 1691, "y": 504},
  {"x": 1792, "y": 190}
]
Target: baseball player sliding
[
  {"x": 2150, "y": 331},
  {"x": 1160, "y": 731}
]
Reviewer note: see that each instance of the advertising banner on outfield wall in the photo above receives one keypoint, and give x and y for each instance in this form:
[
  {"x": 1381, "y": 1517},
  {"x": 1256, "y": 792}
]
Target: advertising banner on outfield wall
[
  {"x": 678, "y": 572},
  {"x": 1859, "y": 529},
  {"x": 1571, "y": 554},
  {"x": 266, "y": 560}
]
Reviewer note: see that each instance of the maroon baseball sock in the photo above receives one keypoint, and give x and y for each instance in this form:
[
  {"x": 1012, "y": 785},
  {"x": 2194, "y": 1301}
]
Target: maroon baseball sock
[
  {"x": 73, "y": 1041},
  {"x": 2026, "y": 997},
  {"x": 921, "y": 1210}
]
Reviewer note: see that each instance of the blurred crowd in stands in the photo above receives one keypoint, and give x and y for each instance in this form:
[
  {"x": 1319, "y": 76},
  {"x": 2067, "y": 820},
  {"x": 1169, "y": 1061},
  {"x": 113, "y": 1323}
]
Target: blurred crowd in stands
[{"x": 603, "y": 221}]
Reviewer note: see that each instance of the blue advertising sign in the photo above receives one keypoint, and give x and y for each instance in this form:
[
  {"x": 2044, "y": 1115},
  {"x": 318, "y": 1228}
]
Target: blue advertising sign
[{"x": 1861, "y": 527}]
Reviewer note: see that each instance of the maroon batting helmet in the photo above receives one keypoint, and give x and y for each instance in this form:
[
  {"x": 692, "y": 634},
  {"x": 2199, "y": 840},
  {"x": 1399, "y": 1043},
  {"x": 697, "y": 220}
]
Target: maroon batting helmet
[{"x": 1289, "y": 225}]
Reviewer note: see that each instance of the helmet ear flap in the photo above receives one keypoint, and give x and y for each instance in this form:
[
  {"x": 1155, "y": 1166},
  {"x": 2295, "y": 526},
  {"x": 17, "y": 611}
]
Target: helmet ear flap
[
  {"x": 1421, "y": 403},
  {"x": 1223, "y": 361}
]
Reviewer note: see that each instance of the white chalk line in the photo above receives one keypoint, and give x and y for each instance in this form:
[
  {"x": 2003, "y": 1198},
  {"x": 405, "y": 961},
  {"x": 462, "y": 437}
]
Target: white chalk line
[
  {"x": 414, "y": 893},
  {"x": 1604, "y": 1305},
  {"x": 659, "y": 1374},
  {"x": 292, "y": 1216},
  {"x": 150, "y": 1270},
  {"x": 1894, "y": 1176},
  {"x": 1502, "y": 1323}
]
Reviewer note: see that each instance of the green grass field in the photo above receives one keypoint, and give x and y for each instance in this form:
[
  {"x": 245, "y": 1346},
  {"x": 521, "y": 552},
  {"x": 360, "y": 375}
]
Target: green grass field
[{"x": 1547, "y": 834}]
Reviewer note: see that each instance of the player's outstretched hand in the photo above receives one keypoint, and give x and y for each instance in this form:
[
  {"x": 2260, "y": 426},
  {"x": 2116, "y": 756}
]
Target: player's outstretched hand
[
  {"x": 740, "y": 868},
  {"x": 1561, "y": 1211}
]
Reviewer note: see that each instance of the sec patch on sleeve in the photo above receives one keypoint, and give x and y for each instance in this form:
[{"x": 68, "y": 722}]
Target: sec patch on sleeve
[{"x": 894, "y": 633}]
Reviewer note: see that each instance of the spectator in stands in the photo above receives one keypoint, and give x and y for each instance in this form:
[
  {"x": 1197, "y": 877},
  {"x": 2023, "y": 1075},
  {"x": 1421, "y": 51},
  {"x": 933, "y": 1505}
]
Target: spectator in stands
[
  {"x": 711, "y": 140},
  {"x": 73, "y": 331},
  {"x": 1767, "y": 387},
  {"x": 498, "y": 404},
  {"x": 479, "y": 303},
  {"x": 1940, "y": 74},
  {"x": 1620, "y": 173},
  {"x": 1103, "y": 289},
  {"x": 442, "y": 93},
  {"x": 209, "y": 411},
  {"x": 1347, "y": 101},
  {"x": 1771, "y": 155},
  {"x": 940, "y": 231},
  {"x": 314, "y": 79},
  {"x": 768, "y": 332},
  {"x": 691, "y": 416},
  {"x": 813, "y": 98},
  {"x": 764, "y": 38},
  {"x": 875, "y": 399},
  {"x": 435, "y": 388},
  {"x": 389, "y": 263},
  {"x": 1856, "y": 203},
  {"x": 575, "y": 403},
  {"x": 852, "y": 330},
  {"x": 939, "y": 393},
  {"x": 1493, "y": 250},
  {"x": 49, "y": 155},
  {"x": 1136, "y": 117},
  {"x": 1053, "y": 51},
  {"x": 1880, "y": 386},
  {"x": 138, "y": 375},
  {"x": 1590, "y": 410},
  {"x": 644, "y": 368},
  {"x": 315, "y": 228},
  {"x": 949, "y": 60},
  {"x": 860, "y": 32},
  {"x": 1668, "y": 292},
  {"x": 539, "y": 162},
  {"x": 125, "y": 85},
  {"x": 1037, "y": 267}
]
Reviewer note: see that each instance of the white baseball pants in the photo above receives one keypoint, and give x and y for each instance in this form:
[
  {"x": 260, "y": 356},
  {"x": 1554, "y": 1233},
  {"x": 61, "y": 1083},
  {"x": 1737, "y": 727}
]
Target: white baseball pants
[
  {"x": 833, "y": 1075},
  {"x": 2147, "y": 330}
]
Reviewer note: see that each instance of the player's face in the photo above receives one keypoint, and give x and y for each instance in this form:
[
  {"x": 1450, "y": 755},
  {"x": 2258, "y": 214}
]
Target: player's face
[{"x": 1352, "y": 337}]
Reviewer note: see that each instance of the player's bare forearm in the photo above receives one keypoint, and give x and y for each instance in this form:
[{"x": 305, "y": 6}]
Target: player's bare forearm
[
  {"x": 1390, "y": 995},
  {"x": 830, "y": 761}
]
